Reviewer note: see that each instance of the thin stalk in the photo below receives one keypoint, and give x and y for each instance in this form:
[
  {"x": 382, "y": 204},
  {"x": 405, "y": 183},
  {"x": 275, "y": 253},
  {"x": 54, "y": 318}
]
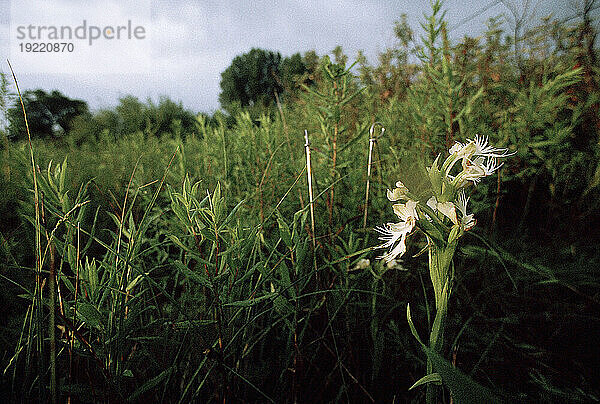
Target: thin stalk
[
  {"x": 372, "y": 141},
  {"x": 222, "y": 130},
  {"x": 297, "y": 359},
  {"x": 117, "y": 300},
  {"x": 219, "y": 318},
  {"x": 52, "y": 324},
  {"x": 310, "y": 198},
  {"x": 442, "y": 274},
  {"x": 285, "y": 127},
  {"x": 530, "y": 193},
  {"x": 38, "y": 245},
  {"x": 218, "y": 313},
  {"x": 74, "y": 311},
  {"x": 52, "y": 301},
  {"x": 259, "y": 192},
  {"x": 87, "y": 344}
]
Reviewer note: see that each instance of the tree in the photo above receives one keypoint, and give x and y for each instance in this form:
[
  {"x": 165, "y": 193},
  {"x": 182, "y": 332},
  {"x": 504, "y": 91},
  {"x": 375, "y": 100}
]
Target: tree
[
  {"x": 131, "y": 115},
  {"x": 50, "y": 115},
  {"x": 169, "y": 117},
  {"x": 251, "y": 79},
  {"x": 292, "y": 73},
  {"x": 254, "y": 77}
]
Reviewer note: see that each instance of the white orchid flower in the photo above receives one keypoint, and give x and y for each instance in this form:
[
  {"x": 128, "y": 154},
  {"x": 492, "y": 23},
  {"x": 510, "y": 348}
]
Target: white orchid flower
[
  {"x": 473, "y": 171},
  {"x": 399, "y": 193},
  {"x": 394, "y": 264},
  {"x": 479, "y": 159},
  {"x": 478, "y": 147},
  {"x": 394, "y": 234},
  {"x": 445, "y": 208},
  {"x": 405, "y": 211},
  {"x": 484, "y": 149},
  {"x": 467, "y": 221}
]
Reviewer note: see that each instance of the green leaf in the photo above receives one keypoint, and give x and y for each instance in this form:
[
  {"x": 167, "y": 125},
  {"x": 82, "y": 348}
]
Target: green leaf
[
  {"x": 350, "y": 142},
  {"x": 216, "y": 201},
  {"x": 186, "y": 187},
  {"x": 50, "y": 180},
  {"x": 91, "y": 271},
  {"x": 285, "y": 279},
  {"x": 464, "y": 389},
  {"x": 431, "y": 378},
  {"x": 150, "y": 384},
  {"x": 180, "y": 212},
  {"x": 231, "y": 214},
  {"x": 298, "y": 223},
  {"x": 350, "y": 98},
  {"x": 284, "y": 231},
  {"x": 61, "y": 180},
  {"x": 133, "y": 283},
  {"x": 177, "y": 242},
  {"x": 284, "y": 308},
  {"x": 198, "y": 276},
  {"x": 251, "y": 302},
  {"x": 90, "y": 315},
  {"x": 67, "y": 282},
  {"x": 182, "y": 325},
  {"x": 412, "y": 326}
]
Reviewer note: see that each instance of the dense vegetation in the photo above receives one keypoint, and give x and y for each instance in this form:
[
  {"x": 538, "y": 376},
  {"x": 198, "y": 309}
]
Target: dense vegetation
[{"x": 156, "y": 255}]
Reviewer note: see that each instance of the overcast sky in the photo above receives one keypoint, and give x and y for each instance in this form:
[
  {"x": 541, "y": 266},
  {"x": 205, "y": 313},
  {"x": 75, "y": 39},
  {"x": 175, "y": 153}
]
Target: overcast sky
[{"x": 192, "y": 42}]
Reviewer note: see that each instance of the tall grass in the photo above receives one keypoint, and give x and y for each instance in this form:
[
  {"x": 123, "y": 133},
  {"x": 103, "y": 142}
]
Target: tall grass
[
  {"x": 189, "y": 293},
  {"x": 182, "y": 268}
]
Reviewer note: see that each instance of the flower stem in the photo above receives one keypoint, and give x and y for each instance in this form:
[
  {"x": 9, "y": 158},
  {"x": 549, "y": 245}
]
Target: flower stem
[{"x": 440, "y": 260}]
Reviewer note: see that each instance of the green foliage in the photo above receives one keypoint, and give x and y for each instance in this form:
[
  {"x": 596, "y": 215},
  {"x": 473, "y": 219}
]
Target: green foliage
[
  {"x": 258, "y": 77},
  {"x": 251, "y": 79},
  {"x": 167, "y": 118},
  {"x": 51, "y": 115},
  {"x": 331, "y": 102}
]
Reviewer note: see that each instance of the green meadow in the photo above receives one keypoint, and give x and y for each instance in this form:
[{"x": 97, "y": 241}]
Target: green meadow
[{"x": 266, "y": 253}]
